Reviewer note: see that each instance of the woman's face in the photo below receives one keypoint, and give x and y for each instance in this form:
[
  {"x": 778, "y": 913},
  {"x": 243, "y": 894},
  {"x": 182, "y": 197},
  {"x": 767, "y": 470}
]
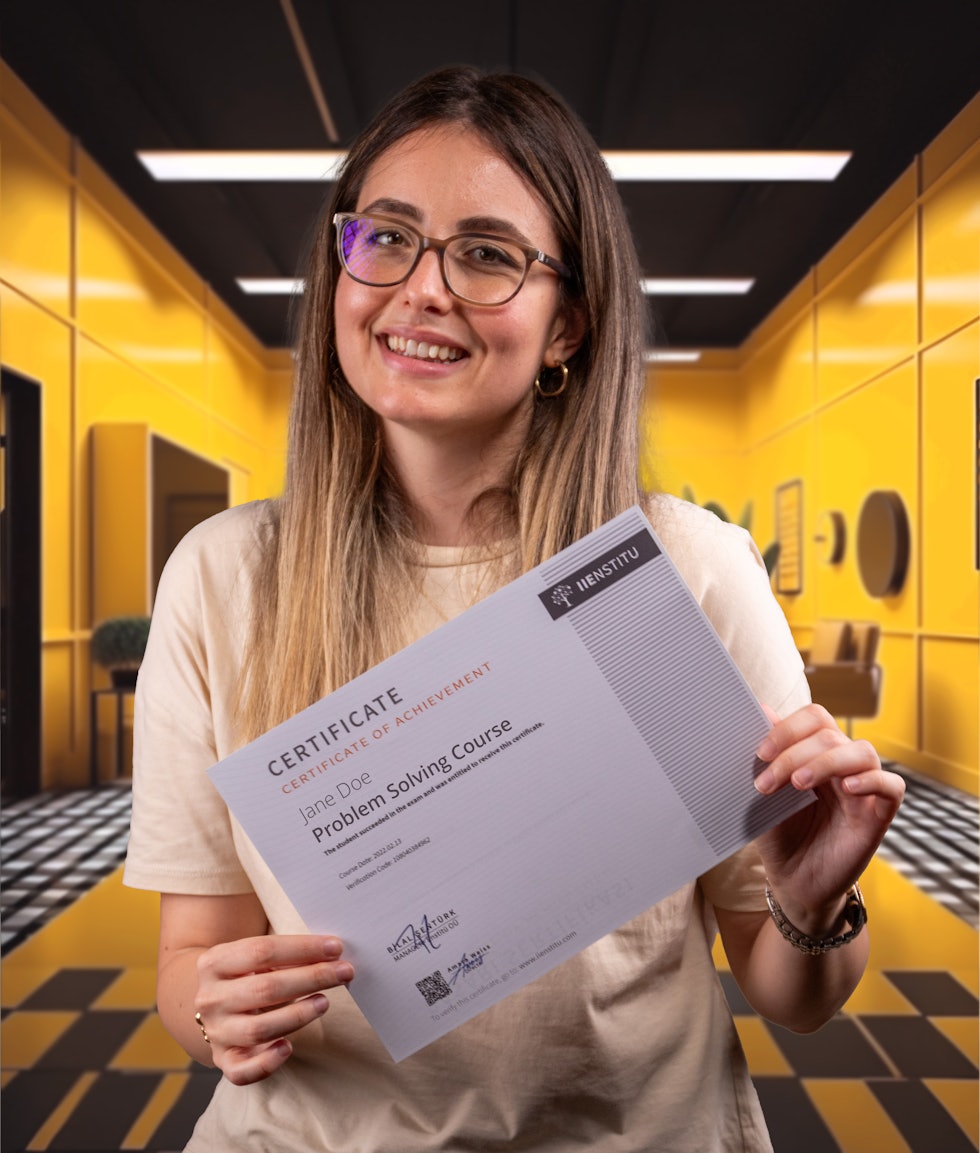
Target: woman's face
[{"x": 442, "y": 181}]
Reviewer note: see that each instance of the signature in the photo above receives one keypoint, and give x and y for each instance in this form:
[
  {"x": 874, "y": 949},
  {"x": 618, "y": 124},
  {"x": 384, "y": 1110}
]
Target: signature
[
  {"x": 466, "y": 965},
  {"x": 412, "y": 937}
]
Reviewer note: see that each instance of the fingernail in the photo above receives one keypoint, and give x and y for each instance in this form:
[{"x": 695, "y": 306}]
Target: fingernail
[
  {"x": 765, "y": 781},
  {"x": 767, "y": 750},
  {"x": 803, "y": 778},
  {"x": 344, "y": 971},
  {"x": 332, "y": 947},
  {"x": 321, "y": 1002}
]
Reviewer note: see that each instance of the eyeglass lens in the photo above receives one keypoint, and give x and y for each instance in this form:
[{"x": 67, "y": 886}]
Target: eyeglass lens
[{"x": 480, "y": 269}]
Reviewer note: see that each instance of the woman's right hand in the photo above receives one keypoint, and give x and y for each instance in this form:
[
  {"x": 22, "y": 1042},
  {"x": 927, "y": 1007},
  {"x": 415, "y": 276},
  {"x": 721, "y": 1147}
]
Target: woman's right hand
[
  {"x": 253, "y": 993},
  {"x": 252, "y": 989}
]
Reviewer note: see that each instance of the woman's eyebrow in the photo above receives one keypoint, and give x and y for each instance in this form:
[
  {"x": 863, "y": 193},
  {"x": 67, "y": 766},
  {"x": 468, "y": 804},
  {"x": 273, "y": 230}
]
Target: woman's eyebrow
[
  {"x": 394, "y": 207},
  {"x": 495, "y": 225}
]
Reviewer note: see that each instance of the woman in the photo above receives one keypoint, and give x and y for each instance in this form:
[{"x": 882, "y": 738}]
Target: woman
[{"x": 466, "y": 406}]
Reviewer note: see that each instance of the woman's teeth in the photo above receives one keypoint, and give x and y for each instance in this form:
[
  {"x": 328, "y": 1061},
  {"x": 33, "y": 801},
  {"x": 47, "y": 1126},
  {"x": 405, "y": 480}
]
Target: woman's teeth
[{"x": 421, "y": 349}]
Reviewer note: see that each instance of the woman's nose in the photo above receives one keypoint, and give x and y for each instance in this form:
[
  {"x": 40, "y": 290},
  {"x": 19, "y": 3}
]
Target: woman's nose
[{"x": 426, "y": 284}]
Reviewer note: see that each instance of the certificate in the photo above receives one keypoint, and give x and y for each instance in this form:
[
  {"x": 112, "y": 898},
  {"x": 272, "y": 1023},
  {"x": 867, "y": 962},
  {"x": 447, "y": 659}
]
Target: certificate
[{"x": 499, "y": 795}]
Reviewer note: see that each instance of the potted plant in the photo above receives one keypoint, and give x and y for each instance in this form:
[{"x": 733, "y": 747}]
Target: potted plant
[{"x": 118, "y": 645}]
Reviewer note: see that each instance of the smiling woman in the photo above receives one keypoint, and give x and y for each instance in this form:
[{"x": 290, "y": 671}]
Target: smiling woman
[{"x": 465, "y": 406}]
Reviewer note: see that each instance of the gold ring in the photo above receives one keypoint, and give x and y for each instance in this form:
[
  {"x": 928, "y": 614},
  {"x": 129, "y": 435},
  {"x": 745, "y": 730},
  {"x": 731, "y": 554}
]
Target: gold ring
[{"x": 200, "y": 1023}]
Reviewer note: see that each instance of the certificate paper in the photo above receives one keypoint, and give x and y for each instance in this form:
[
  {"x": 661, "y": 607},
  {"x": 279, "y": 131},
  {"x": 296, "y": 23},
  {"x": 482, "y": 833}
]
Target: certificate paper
[{"x": 499, "y": 795}]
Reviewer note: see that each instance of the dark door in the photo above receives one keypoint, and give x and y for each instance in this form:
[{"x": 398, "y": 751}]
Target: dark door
[{"x": 20, "y": 577}]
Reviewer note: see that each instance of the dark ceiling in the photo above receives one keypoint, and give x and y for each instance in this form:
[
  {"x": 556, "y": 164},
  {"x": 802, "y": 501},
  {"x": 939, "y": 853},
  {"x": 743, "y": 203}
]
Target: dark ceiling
[{"x": 879, "y": 79}]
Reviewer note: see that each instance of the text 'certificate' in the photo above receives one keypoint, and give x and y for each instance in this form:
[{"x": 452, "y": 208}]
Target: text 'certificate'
[{"x": 499, "y": 795}]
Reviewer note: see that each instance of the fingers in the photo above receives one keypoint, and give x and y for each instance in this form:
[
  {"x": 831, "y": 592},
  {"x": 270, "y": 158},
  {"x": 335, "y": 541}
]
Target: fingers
[
  {"x": 253, "y": 993},
  {"x": 807, "y": 749}
]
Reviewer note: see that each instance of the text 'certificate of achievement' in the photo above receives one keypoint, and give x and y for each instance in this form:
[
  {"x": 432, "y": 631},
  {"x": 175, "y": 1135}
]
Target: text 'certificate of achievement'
[{"x": 499, "y": 795}]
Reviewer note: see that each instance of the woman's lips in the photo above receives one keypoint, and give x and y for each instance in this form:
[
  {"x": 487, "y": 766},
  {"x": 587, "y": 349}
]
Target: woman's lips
[{"x": 422, "y": 349}]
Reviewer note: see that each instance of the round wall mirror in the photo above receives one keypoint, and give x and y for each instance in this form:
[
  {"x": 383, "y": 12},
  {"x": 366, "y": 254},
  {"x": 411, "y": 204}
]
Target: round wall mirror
[{"x": 883, "y": 542}]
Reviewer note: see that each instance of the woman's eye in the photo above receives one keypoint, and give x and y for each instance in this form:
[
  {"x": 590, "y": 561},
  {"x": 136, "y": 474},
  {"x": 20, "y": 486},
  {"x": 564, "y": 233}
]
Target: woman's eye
[
  {"x": 490, "y": 256},
  {"x": 386, "y": 238}
]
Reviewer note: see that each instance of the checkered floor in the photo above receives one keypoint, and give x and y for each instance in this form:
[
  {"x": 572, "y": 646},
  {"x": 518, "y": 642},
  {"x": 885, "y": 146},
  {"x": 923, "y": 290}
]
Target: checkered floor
[
  {"x": 53, "y": 848},
  {"x": 88, "y": 1066},
  {"x": 934, "y": 842}
]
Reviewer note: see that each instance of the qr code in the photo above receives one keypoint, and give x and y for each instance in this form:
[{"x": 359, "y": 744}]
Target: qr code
[{"x": 433, "y": 988}]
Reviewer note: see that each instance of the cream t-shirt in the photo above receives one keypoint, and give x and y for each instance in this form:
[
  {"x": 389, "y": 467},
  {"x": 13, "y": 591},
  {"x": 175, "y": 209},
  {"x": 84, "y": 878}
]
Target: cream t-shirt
[{"x": 628, "y": 1046}]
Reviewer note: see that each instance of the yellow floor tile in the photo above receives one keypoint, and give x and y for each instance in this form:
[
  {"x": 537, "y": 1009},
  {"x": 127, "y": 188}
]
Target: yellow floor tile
[
  {"x": 876, "y": 994},
  {"x": 133, "y": 989},
  {"x": 24, "y": 1037},
  {"x": 46, "y": 1134},
  {"x": 854, "y": 1116},
  {"x": 961, "y": 1099},
  {"x": 159, "y": 1105},
  {"x": 910, "y": 930},
  {"x": 761, "y": 1051},
  {"x": 151, "y": 1047},
  {"x": 962, "y": 1031},
  {"x": 108, "y": 926},
  {"x": 18, "y": 983}
]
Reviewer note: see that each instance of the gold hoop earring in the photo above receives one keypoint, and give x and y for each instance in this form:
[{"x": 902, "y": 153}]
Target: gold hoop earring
[{"x": 555, "y": 391}]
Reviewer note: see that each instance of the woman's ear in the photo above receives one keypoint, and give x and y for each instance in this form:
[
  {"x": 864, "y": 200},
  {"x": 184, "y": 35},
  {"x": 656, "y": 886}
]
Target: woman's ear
[{"x": 568, "y": 333}]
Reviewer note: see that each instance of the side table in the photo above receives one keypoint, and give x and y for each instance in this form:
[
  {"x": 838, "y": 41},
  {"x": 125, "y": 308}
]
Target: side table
[{"x": 120, "y": 692}]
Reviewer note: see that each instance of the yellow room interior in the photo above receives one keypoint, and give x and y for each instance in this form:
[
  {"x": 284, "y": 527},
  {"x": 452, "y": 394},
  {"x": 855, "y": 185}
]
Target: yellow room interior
[{"x": 863, "y": 379}]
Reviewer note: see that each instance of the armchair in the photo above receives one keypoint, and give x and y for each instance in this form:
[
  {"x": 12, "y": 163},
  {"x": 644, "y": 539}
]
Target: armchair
[{"x": 842, "y": 669}]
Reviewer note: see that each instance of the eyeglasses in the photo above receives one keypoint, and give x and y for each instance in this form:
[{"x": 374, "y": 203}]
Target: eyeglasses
[{"x": 381, "y": 252}]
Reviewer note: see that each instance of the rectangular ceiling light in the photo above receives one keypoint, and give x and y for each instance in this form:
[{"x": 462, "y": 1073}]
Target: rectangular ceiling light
[
  {"x": 651, "y": 166},
  {"x": 257, "y": 166},
  {"x": 688, "y": 286},
  {"x": 671, "y": 356},
  {"x": 269, "y": 285},
  {"x": 730, "y": 166}
]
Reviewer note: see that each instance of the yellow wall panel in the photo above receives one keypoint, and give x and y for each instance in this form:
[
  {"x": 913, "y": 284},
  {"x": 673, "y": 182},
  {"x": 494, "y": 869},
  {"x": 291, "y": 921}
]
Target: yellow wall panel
[
  {"x": 782, "y": 380},
  {"x": 35, "y": 233},
  {"x": 691, "y": 436},
  {"x": 64, "y": 729},
  {"x": 867, "y": 319},
  {"x": 235, "y": 382},
  {"x": 950, "y": 582},
  {"x": 951, "y": 252},
  {"x": 129, "y": 304},
  {"x": 39, "y": 345},
  {"x": 868, "y": 441},
  {"x": 119, "y": 339},
  {"x": 895, "y": 730},
  {"x": 951, "y": 706},
  {"x": 121, "y": 560}
]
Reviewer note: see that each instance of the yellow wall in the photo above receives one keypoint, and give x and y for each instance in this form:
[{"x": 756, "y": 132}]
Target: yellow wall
[
  {"x": 862, "y": 379},
  {"x": 118, "y": 330}
]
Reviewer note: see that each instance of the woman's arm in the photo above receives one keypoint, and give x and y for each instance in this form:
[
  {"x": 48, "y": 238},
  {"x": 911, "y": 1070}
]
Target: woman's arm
[
  {"x": 251, "y": 988},
  {"x": 811, "y": 860}
]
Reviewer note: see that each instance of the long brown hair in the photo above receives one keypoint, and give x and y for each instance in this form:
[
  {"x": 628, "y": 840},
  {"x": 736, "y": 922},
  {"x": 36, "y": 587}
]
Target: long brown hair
[{"x": 327, "y": 605}]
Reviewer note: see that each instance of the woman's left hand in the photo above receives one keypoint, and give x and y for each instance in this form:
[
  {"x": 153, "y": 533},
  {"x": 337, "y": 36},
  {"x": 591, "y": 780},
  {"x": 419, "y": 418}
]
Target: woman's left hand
[{"x": 814, "y": 856}]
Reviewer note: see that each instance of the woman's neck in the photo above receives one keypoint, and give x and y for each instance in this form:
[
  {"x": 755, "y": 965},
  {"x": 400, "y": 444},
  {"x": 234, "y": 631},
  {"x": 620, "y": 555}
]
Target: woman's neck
[{"x": 443, "y": 478}]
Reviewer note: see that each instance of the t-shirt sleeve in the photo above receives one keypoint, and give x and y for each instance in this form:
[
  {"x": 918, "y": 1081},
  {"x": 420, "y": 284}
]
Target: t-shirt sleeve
[
  {"x": 181, "y": 837},
  {"x": 722, "y": 566}
]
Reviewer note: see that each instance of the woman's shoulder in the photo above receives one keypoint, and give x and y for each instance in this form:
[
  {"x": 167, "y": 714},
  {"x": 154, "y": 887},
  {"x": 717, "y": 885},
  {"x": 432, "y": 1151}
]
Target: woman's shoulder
[
  {"x": 220, "y": 549},
  {"x": 703, "y": 547}
]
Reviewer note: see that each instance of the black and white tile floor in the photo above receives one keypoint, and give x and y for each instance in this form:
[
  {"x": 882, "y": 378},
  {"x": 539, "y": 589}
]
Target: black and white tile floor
[{"x": 56, "y": 846}]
